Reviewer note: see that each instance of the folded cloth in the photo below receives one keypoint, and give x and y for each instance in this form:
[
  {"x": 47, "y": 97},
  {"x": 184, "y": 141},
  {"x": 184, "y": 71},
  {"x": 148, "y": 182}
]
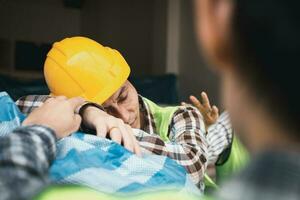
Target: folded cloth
[{"x": 106, "y": 166}]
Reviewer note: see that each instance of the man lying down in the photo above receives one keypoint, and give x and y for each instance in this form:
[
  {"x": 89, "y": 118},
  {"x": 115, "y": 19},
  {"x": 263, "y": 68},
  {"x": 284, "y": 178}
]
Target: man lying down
[{"x": 81, "y": 67}]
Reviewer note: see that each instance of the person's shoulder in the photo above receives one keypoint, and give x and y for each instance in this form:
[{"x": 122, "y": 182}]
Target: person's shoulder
[
  {"x": 188, "y": 118},
  {"x": 271, "y": 175}
]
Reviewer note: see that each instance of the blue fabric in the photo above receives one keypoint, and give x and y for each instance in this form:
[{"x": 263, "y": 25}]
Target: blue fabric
[
  {"x": 104, "y": 165},
  {"x": 10, "y": 115}
]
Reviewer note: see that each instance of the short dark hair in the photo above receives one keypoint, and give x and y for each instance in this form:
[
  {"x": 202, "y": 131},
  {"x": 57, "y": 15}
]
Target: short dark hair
[{"x": 266, "y": 42}]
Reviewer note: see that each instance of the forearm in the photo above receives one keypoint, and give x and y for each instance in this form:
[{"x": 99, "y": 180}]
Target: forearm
[
  {"x": 25, "y": 157},
  {"x": 29, "y": 103}
]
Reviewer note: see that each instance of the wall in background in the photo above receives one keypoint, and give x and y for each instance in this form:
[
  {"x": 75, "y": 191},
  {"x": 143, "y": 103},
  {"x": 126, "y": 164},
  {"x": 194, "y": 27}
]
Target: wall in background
[
  {"x": 194, "y": 73},
  {"x": 36, "y": 21},
  {"x": 145, "y": 32},
  {"x": 136, "y": 28}
]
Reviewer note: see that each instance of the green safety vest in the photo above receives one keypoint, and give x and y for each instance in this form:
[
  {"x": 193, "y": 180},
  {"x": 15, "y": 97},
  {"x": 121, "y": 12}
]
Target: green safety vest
[{"x": 234, "y": 159}]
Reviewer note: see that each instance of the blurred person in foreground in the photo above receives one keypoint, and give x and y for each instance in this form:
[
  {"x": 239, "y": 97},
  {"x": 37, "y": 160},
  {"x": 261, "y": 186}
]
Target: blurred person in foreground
[{"x": 254, "y": 45}]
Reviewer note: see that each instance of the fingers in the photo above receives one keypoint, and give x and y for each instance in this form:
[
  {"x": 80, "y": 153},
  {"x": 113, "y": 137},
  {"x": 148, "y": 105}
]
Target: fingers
[
  {"x": 116, "y": 135},
  {"x": 57, "y": 114},
  {"x": 215, "y": 112},
  {"x": 122, "y": 133},
  {"x": 205, "y": 100},
  {"x": 60, "y": 98},
  {"x": 136, "y": 146},
  {"x": 119, "y": 132},
  {"x": 101, "y": 129},
  {"x": 210, "y": 114},
  {"x": 76, "y": 123},
  {"x": 203, "y": 107},
  {"x": 75, "y": 102},
  {"x": 126, "y": 138},
  {"x": 74, "y": 127},
  {"x": 197, "y": 104},
  {"x": 127, "y": 141}
]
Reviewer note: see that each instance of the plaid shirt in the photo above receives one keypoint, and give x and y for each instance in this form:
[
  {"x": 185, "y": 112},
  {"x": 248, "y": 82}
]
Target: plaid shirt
[
  {"x": 189, "y": 144},
  {"x": 25, "y": 157}
]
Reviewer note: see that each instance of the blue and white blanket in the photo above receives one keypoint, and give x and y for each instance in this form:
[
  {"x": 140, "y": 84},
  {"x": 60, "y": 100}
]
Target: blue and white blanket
[{"x": 101, "y": 164}]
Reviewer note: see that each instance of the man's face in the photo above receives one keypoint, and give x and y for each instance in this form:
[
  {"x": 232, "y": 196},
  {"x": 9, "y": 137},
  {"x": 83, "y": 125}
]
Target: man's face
[{"x": 124, "y": 104}]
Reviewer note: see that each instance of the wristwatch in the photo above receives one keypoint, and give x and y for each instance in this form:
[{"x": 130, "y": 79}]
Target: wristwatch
[{"x": 83, "y": 128}]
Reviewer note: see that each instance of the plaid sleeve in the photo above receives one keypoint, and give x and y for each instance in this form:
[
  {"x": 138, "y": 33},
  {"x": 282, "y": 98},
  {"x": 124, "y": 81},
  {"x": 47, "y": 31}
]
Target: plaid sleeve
[
  {"x": 187, "y": 143},
  {"x": 25, "y": 157},
  {"x": 28, "y": 103},
  {"x": 219, "y": 137}
]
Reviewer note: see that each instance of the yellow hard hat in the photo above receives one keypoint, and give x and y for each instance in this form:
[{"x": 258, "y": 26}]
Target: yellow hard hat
[{"x": 79, "y": 66}]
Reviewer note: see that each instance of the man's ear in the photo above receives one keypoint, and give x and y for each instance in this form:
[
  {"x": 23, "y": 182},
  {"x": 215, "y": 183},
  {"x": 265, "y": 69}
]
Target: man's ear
[{"x": 213, "y": 23}]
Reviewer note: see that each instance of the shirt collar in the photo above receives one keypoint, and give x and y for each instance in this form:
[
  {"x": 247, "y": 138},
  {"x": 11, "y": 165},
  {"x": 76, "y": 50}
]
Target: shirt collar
[{"x": 149, "y": 123}]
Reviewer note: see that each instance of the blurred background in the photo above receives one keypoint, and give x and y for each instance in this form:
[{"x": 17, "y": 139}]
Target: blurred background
[{"x": 156, "y": 37}]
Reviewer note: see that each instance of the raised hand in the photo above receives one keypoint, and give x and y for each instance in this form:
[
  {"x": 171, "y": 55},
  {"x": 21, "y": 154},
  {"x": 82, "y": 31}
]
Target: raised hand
[{"x": 210, "y": 114}]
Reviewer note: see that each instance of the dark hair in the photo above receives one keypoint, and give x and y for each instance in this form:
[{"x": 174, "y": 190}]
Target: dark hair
[{"x": 266, "y": 40}]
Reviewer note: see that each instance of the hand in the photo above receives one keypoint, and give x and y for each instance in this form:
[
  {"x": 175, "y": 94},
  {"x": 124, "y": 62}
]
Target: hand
[
  {"x": 110, "y": 126},
  {"x": 210, "y": 114},
  {"x": 57, "y": 113}
]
